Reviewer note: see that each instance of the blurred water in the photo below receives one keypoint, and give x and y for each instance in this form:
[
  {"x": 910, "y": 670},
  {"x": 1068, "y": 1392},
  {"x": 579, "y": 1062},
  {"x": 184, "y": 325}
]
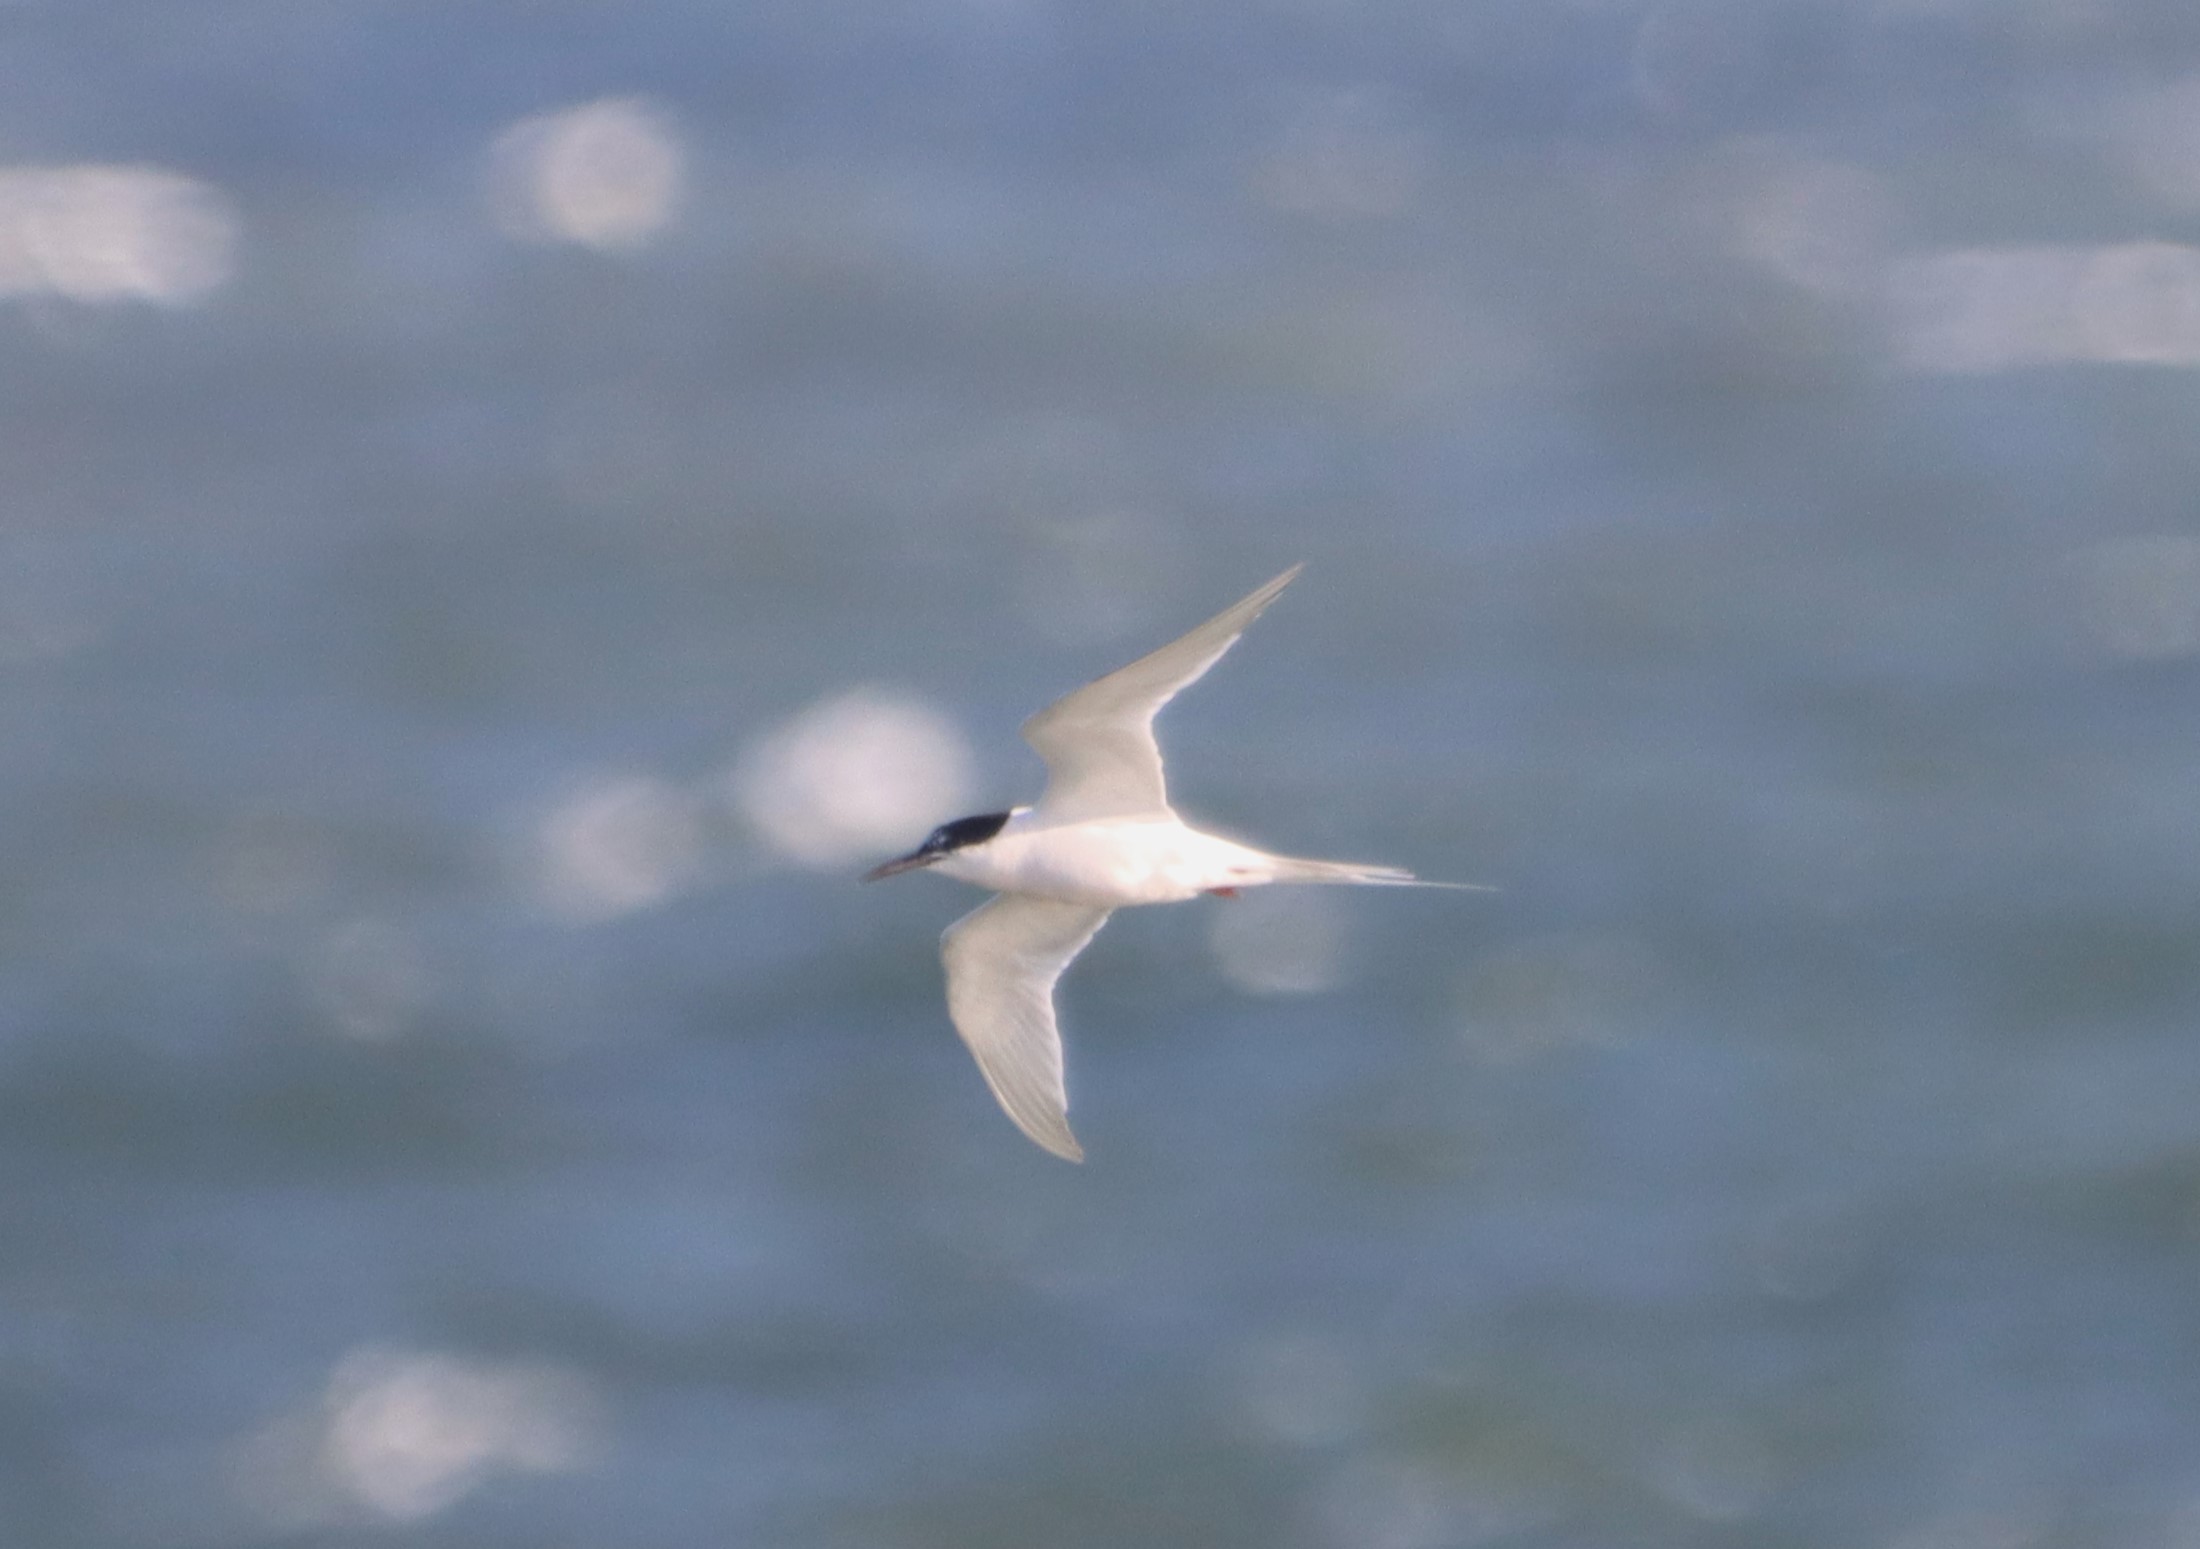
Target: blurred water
[{"x": 506, "y": 509}]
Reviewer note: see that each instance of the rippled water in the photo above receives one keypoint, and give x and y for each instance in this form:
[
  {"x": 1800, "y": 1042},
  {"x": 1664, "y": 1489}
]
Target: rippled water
[{"x": 507, "y": 511}]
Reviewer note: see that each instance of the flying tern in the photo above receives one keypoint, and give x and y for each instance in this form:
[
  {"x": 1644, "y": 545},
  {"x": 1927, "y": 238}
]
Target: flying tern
[{"x": 1101, "y": 837}]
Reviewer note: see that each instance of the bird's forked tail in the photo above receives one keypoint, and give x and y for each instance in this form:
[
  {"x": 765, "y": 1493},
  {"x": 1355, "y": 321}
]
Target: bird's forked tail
[{"x": 1290, "y": 868}]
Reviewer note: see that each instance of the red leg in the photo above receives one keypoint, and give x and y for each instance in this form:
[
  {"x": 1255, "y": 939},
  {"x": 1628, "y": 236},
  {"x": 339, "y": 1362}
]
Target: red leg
[{"x": 1222, "y": 892}]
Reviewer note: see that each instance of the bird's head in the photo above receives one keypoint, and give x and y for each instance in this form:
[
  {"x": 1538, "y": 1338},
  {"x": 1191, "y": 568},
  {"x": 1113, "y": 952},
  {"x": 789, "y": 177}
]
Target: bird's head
[{"x": 942, "y": 842}]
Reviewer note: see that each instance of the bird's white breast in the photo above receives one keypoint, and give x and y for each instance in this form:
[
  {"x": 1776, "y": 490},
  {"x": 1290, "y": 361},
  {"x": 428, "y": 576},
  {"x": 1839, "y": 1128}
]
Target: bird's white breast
[{"x": 1109, "y": 862}]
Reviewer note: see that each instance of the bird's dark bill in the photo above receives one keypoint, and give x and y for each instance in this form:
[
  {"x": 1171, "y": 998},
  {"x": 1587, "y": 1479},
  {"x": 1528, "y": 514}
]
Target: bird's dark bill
[{"x": 909, "y": 862}]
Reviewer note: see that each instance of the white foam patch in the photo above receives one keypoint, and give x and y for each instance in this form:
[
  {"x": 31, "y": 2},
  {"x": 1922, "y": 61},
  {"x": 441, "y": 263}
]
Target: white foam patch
[
  {"x": 1984, "y": 309},
  {"x": 400, "y": 1435},
  {"x": 103, "y": 234},
  {"x": 851, "y": 776},
  {"x": 607, "y": 175},
  {"x": 617, "y": 846}
]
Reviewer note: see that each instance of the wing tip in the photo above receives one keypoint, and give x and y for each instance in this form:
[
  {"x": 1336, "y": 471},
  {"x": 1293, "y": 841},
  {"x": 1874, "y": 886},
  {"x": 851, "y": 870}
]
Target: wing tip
[
  {"x": 1047, "y": 1130},
  {"x": 1274, "y": 589}
]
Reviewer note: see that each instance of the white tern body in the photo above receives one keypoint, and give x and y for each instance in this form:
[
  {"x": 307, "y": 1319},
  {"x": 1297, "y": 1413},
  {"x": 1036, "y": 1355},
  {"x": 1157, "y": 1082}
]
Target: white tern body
[{"x": 1112, "y": 862}]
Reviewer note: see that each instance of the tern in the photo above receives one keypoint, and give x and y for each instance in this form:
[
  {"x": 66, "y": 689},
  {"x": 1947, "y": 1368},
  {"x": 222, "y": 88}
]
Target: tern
[{"x": 1101, "y": 837}]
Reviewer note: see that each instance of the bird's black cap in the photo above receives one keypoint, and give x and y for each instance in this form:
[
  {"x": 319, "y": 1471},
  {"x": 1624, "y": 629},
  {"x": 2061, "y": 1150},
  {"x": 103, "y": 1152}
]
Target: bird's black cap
[
  {"x": 943, "y": 840},
  {"x": 964, "y": 832}
]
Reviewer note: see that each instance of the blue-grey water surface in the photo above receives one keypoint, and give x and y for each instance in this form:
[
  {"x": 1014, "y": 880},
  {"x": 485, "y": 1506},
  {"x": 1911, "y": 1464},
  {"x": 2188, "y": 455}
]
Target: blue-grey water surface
[{"x": 506, "y": 509}]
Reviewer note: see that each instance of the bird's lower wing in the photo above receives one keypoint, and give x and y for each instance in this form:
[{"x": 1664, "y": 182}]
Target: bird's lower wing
[
  {"x": 1098, "y": 742},
  {"x": 1002, "y": 960}
]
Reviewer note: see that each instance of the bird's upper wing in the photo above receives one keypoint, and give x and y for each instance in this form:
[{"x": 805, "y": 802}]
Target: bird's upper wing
[
  {"x": 1002, "y": 960},
  {"x": 1098, "y": 742}
]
